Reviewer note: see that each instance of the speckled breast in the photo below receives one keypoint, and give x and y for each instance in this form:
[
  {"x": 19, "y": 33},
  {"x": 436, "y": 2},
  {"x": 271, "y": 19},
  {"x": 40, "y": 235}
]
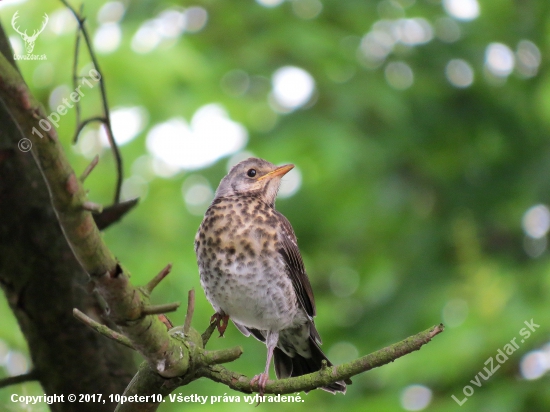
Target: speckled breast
[{"x": 242, "y": 273}]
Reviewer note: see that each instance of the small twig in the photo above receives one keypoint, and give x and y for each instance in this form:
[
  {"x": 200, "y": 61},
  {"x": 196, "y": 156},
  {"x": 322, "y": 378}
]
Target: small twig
[
  {"x": 157, "y": 279},
  {"x": 14, "y": 380},
  {"x": 83, "y": 124},
  {"x": 75, "y": 77},
  {"x": 167, "y": 322},
  {"x": 102, "y": 329},
  {"x": 92, "y": 207},
  {"x": 160, "y": 309},
  {"x": 190, "y": 311},
  {"x": 106, "y": 110},
  {"x": 217, "y": 357},
  {"x": 208, "y": 333},
  {"x": 89, "y": 168}
]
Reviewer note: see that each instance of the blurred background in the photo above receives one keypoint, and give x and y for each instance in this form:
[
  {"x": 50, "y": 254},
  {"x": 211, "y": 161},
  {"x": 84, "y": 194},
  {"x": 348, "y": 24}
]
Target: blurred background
[{"x": 420, "y": 134}]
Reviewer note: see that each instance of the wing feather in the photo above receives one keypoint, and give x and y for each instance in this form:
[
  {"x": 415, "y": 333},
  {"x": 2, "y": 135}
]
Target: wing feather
[{"x": 295, "y": 266}]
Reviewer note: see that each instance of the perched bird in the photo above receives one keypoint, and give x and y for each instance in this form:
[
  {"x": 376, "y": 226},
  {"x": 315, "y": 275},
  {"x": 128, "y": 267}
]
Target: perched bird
[{"x": 252, "y": 272}]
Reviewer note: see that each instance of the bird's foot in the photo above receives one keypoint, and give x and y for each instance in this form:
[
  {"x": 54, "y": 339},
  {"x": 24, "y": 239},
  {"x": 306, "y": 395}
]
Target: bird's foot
[
  {"x": 221, "y": 322},
  {"x": 261, "y": 380}
]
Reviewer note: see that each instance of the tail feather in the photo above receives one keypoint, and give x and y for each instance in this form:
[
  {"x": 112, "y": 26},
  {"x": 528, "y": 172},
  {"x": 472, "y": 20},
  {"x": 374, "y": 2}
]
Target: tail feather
[{"x": 286, "y": 366}]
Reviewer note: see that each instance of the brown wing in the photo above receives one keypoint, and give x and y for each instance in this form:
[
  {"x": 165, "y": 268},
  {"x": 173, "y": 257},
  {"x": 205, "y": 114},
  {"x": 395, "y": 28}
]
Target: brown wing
[{"x": 295, "y": 266}]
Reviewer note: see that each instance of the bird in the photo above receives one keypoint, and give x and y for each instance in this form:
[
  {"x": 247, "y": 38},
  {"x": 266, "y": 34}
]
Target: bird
[{"x": 252, "y": 272}]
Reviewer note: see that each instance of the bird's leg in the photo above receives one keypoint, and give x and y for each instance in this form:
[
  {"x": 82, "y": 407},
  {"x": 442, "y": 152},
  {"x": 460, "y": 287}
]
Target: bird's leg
[
  {"x": 221, "y": 320},
  {"x": 271, "y": 341}
]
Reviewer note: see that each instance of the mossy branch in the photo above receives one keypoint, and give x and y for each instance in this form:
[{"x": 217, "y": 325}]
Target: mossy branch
[{"x": 327, "y": 375}]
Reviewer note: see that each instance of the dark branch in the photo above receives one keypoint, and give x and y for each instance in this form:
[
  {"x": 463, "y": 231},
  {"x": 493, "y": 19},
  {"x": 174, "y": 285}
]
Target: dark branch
[
  {"x": 190, "y": 311},
  {"x": 81, "y": 125},
  {"x": 14, "y": 380},
  {"x": 106, "y": 111},
  {"x": 102, "y": 329},
  {"x": 89, "y": 168},
  {"x": 75, "y": 77},
  {"x": 208, "y": 333},
  {"x": 157, "y": 279},
  {"x": 113, "y": 213}
]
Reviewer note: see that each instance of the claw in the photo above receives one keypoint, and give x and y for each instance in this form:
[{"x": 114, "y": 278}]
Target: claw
[
  {"x": 261, "y": 380},
  {"x": 221, "y": 322}
]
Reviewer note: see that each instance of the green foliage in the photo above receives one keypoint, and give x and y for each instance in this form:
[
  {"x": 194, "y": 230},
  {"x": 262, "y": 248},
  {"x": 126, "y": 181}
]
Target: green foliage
[{"x": 411, "y": 203}]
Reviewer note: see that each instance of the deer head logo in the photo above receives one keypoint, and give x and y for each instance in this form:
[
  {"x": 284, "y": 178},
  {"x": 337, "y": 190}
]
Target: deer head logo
[{"x": 29, "y": 40}]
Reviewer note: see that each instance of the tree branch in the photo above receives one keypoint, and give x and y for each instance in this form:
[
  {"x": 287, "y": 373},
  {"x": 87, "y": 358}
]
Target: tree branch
[
  {"x": 147, "y": 333},
  {"x": 102, "y": 329},
  {"x": 190, "y": 311},
  {"x": 327, "y": 375},
  {"x": 157, "y": 279},
  {"x": 160, "y": 309},
  {"x": 14, "y": 380}
]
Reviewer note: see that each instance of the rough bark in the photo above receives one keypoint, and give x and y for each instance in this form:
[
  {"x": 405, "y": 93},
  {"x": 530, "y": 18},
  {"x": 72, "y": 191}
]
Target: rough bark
[{"x": 43, "y": 282}]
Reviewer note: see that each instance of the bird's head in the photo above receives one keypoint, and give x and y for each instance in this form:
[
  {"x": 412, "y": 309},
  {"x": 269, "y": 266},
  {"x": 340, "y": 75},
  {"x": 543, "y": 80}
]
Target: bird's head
[{"x": 255, "y": 177}]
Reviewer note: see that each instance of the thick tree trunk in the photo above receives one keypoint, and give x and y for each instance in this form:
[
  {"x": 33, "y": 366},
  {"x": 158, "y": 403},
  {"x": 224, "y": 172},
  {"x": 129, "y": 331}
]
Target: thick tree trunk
[{"x": 43, "y": 282}]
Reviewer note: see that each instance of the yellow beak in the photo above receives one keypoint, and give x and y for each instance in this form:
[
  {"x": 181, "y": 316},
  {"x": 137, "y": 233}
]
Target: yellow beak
[{"x": 280, "y": 171}]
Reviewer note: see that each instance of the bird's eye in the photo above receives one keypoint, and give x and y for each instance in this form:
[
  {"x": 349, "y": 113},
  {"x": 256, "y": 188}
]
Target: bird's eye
[{"x": 251, "y": 173}]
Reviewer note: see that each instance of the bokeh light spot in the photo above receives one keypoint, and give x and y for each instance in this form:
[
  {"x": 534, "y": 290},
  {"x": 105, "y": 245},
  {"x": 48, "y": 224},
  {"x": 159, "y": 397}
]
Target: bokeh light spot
[
  {"x": 57, "y": 95},
  {"x": 528, "y": 58},
  {"x": 270, "y": 3},
  {"x": 62, "y": 21},
  {"x": 290, "y": 183},
  {"x": 399, "y": 75},
  {"x": 107, "y": 38},
  {"x": 536, "y": 221},
  {"x": 416, "y": 397},
  {"x": 459, "y": 73},
  {"x": 499, "y": 59},
  {"x": 89, "y": 143},
  {"x": 16, "y": 363},
  {"x": 292, "y": 87},
  {"x": 307, "y": 9},
  {"x": 235, "y": 83},
  {"x": 534, "y": 364},
  {"x": 447, "y": 30},
  {"x": 146, "y": 39},
  {"x": 111, "y": 12},
  {"x": 462, "y": 9},
  {"x": 127, "y": 123},
  {"x": 210, "y": 135},
  {"x": 414, "y": 31},
  {"x": 534, "y": 247},
  {"x": 170, "y": 23},
  {"x": 197, "y": 194},
  {"x": 133, "y": 187},
  {"x": 196, "y": 17}
]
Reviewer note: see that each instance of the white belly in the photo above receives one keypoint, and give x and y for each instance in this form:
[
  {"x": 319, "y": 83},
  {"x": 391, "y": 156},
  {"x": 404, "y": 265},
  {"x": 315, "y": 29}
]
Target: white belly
[{"x": 253, "y": 297}]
